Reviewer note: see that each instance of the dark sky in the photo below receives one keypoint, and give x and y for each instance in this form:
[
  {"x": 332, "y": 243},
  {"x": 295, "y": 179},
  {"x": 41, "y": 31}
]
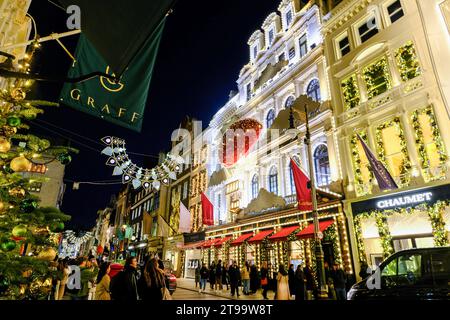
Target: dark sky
[{"x": 202, "y": 51}]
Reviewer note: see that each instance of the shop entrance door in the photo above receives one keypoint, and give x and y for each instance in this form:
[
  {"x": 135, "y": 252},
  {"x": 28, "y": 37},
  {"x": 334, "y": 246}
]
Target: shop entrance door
[
  {"x": 412, "y": 242},
  {"x": 328, "y": 254}
]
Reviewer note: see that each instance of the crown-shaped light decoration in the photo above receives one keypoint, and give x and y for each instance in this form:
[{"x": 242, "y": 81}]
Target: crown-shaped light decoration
[{"x": 138, "y": 176}]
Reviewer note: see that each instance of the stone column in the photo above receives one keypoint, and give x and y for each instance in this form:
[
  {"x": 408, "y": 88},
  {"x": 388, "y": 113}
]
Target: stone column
[{"x": 395, "y": 75}]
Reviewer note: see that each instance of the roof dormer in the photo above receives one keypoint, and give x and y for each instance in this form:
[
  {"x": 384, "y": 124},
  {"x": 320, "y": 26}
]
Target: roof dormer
[
  {"x": 289, "y": 10},
  {"x": 256, "y": 44},
  {"x": 272, "y": 28}
]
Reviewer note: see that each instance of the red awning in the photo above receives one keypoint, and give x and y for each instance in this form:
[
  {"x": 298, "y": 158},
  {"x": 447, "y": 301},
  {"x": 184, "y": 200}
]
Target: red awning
[
  {"x": 241, "y": 239},
  {"x": 283, "y": 233},
  {"x": 193, "y": 245},
  {"x": 210, "y": 242},
  {"x": 222, "y": 241},
  {"x": 260, "y": 236},
  {"x": 308, "y": 232}
]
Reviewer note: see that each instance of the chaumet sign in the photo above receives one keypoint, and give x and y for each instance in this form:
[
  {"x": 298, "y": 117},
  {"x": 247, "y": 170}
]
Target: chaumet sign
[{"x": 405, "y": 200}]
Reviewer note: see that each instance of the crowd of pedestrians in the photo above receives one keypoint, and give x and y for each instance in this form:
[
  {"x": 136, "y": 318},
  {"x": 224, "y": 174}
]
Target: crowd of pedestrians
[{"x": 287, "y": 284}]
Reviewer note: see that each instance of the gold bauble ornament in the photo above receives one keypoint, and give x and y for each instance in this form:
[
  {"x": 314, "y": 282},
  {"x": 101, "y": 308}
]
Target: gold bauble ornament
[
  {"x": 17, "y": 192},
  {"x": 5, "y": 145},
  {"x": 20, "y": 164},
  {"x": 8, "y": 131},
  {"x": 18, "y": 94},
  {"x": 48, "y": 254}
]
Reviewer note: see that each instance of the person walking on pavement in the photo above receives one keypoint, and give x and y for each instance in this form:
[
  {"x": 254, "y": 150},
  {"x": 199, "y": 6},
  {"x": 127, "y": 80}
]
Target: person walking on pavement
[
  {"x": 225, "y": 275},
  {"x": 299, "y": 284},
  {"x": 103, "y": 282},
  {"x": 124, "y": 284},
  {"x": 254, "y": 279},
  {"x": 264, "y": 280},
  {"x": 235, "y": 276},
  {"x": 212, "y": 275},
  {"x": 218, "y": 284},
  {"x": 64, "y": 272},
  {"x": 197, "y": 275},
  {"x": 282, "y": 284},
  {"x": 310, "y": 283},
  {"x": 151, "y": 282},
  {"x": 291, "y": 276},
  {"x": 339, "y": 280},
  {"x": 204, "y": 275},
  {"x": 245, "y": 278}
]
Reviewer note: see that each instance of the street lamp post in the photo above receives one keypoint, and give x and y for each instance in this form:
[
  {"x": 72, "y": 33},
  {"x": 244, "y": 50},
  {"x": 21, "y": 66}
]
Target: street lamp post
[{"x": 318, "y": 251}]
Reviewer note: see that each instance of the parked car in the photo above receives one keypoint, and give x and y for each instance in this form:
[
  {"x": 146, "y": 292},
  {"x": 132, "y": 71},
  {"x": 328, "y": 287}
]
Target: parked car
[
  {"x": 171, "y": 279},
  {"x": 415, "y": 274}
]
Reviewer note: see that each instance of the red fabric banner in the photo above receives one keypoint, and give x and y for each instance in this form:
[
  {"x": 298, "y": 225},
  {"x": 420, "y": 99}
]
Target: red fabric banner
[
  {"x": 301, "y": 186},
  {"x": 207, "y": 211}
]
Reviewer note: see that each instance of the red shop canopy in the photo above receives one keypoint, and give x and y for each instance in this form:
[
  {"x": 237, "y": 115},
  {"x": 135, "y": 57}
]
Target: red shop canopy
[
  {"x": 210, "y": 242},
  {"x": 260, "y": 236},
  {"x": 241, "y": 239},
  {"x": 222, "y": 241},
  {"x": 193, "y": 245},
  {"x": 308, "y": 232},
  {"x": 283, "y": 233}
]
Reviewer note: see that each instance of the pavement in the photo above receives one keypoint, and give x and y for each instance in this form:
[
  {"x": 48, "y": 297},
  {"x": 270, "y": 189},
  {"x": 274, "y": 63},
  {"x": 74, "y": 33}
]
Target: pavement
[{"x": 186, "y": 291}]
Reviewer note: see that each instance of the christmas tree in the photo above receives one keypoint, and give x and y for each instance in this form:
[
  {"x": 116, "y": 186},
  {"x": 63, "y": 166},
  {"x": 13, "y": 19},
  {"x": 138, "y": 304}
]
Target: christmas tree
[{"x": 28, "y": 233}]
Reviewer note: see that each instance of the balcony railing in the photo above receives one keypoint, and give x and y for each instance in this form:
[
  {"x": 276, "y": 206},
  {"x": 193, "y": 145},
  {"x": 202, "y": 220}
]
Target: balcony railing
[{"x": 290, "y": 199}]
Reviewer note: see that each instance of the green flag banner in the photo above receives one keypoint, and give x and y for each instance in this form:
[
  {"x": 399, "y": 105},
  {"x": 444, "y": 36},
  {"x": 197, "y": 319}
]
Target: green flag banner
[{"x": 121, "y": 103}]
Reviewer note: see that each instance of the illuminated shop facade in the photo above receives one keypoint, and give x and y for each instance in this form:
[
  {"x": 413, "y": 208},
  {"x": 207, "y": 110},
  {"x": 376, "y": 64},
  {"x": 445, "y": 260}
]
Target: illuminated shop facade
[{"x": 388, "y": 85}]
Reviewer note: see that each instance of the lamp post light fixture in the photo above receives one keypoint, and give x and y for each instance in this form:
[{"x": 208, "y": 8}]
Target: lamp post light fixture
[{"x": 318, "y": 250}]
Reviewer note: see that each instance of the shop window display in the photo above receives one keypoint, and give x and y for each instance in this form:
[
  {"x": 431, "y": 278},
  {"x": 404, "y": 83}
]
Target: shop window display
[
  {"x": 361, "y": 167},
  {"x": 350, "y": 92},
  {"x": 407, "y": 62}
]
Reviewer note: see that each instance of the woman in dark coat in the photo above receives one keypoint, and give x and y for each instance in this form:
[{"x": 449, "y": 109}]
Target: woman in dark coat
[
  {"x": 212, "y": 275},
  {"x": 224, "y": 275},
  {"x": 254, "y": 279},
  {"x": 264, "y": 279},
  {"x": 299, "y": 284},
  {"x": 310, "y": 282},
  {"x": 151, "y": 282},
  {"x": 291, "y": 274}
]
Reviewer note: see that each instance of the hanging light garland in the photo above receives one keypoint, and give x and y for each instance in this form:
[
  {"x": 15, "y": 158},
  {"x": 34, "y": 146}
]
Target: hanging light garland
[{"x": 138, "y": 176}]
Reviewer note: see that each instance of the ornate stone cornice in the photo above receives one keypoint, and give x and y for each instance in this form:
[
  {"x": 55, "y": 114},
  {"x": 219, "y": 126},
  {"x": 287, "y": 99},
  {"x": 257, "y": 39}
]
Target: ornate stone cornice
[{"x": 343, "y": 13}]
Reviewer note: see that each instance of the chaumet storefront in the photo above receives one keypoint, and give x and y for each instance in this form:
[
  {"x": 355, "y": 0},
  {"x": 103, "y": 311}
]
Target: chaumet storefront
[
  {"x": 283, "y": 237},
  {"x": 192, "y": 253},
  {"x": 397, "y": 221}
]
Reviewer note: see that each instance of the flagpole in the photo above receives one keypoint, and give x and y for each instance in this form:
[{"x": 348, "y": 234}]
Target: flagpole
[{"x": 323, "y": 290}]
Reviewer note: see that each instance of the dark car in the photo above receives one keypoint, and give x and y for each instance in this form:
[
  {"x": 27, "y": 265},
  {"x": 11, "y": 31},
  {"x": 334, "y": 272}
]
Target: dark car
[
  {"x": 415, "y": 274},
  {"x": 171, "y": 279}
]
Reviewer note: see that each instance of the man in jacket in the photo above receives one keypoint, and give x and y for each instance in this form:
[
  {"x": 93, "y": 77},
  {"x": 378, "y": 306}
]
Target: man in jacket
[
  {"x": 218, "y": 284},
  {"x": 204, "y": 275},
  {"x": 124, "y": 285},
  {"x": 339, "y": 280},
  {"x": 235, "y": 276}
]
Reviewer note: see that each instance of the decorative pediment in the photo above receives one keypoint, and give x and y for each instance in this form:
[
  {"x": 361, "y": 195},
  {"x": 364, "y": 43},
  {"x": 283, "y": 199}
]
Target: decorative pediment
[
  {"x": 269, "y": 72},
  {"x": 256, "y": 36},
  {"x": 218, "y": 177},
  {"x": 264, "y": 201},
  {"x": 273, "y": 17}
]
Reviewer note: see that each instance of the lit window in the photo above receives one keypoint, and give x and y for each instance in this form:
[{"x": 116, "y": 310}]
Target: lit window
[
  {"x": 249, "y": 91},
  {"x": 292, "y": 53},
  {"x": 344, "y": 45},
  {"x": 255, "y": 52},
  {"x": 289, "y": 102},
  {"x": 291, "y": 179},
  {"x": 288, "y": 18},
  {"x": 303, "y": 46},
  {"x": 377, "y": 78},
  {"x": 273, "y": 180},
  {"x": 313, "y": 90},
  {"x": 255, "y": 186},
  {"x": 368, "y": 29},
  {"x": 322, "y": 165},
  {"x": 270, "y": 36},
  {"x": 270, "y": 118},
  {"x": 395, "y": 11}
]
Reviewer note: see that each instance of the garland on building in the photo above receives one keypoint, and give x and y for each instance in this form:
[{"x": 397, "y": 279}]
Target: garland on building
[
  {"x": 350, "y": 92},
  {"x": 377, "y": 78},
  {"x": 436, "y": 216},
  {"x": 357, "y": 165},
  {"x": 332, "y": 235},
  {"x": 385, "y": 235},
  {"x": 420, "y": 143},
  {"x": 406, "y": 165},
  {"x": 407, "y": 62}
]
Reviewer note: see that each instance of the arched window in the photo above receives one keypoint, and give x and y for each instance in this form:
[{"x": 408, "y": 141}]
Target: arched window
[
  {"x": 270, "y": 118},
  {"x": 313, "y": 90},
  {"x": 273, "y": 180},
  {"x": 289, "y": 102},
  {"x": 291, "y": 175},
  {"x": 255, "y": 186},
  {"x": 322, "y": 165}
]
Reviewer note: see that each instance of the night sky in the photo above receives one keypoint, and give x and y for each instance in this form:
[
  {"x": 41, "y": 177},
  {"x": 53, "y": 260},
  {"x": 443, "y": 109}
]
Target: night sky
[{"x": 202, "y": 51}]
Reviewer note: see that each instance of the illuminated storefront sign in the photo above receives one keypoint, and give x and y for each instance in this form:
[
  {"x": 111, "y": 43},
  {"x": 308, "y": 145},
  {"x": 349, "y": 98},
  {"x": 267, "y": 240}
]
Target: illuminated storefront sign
[
  {"x": 401, "y": 201},
  {"x": 408, "y": 199}
]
